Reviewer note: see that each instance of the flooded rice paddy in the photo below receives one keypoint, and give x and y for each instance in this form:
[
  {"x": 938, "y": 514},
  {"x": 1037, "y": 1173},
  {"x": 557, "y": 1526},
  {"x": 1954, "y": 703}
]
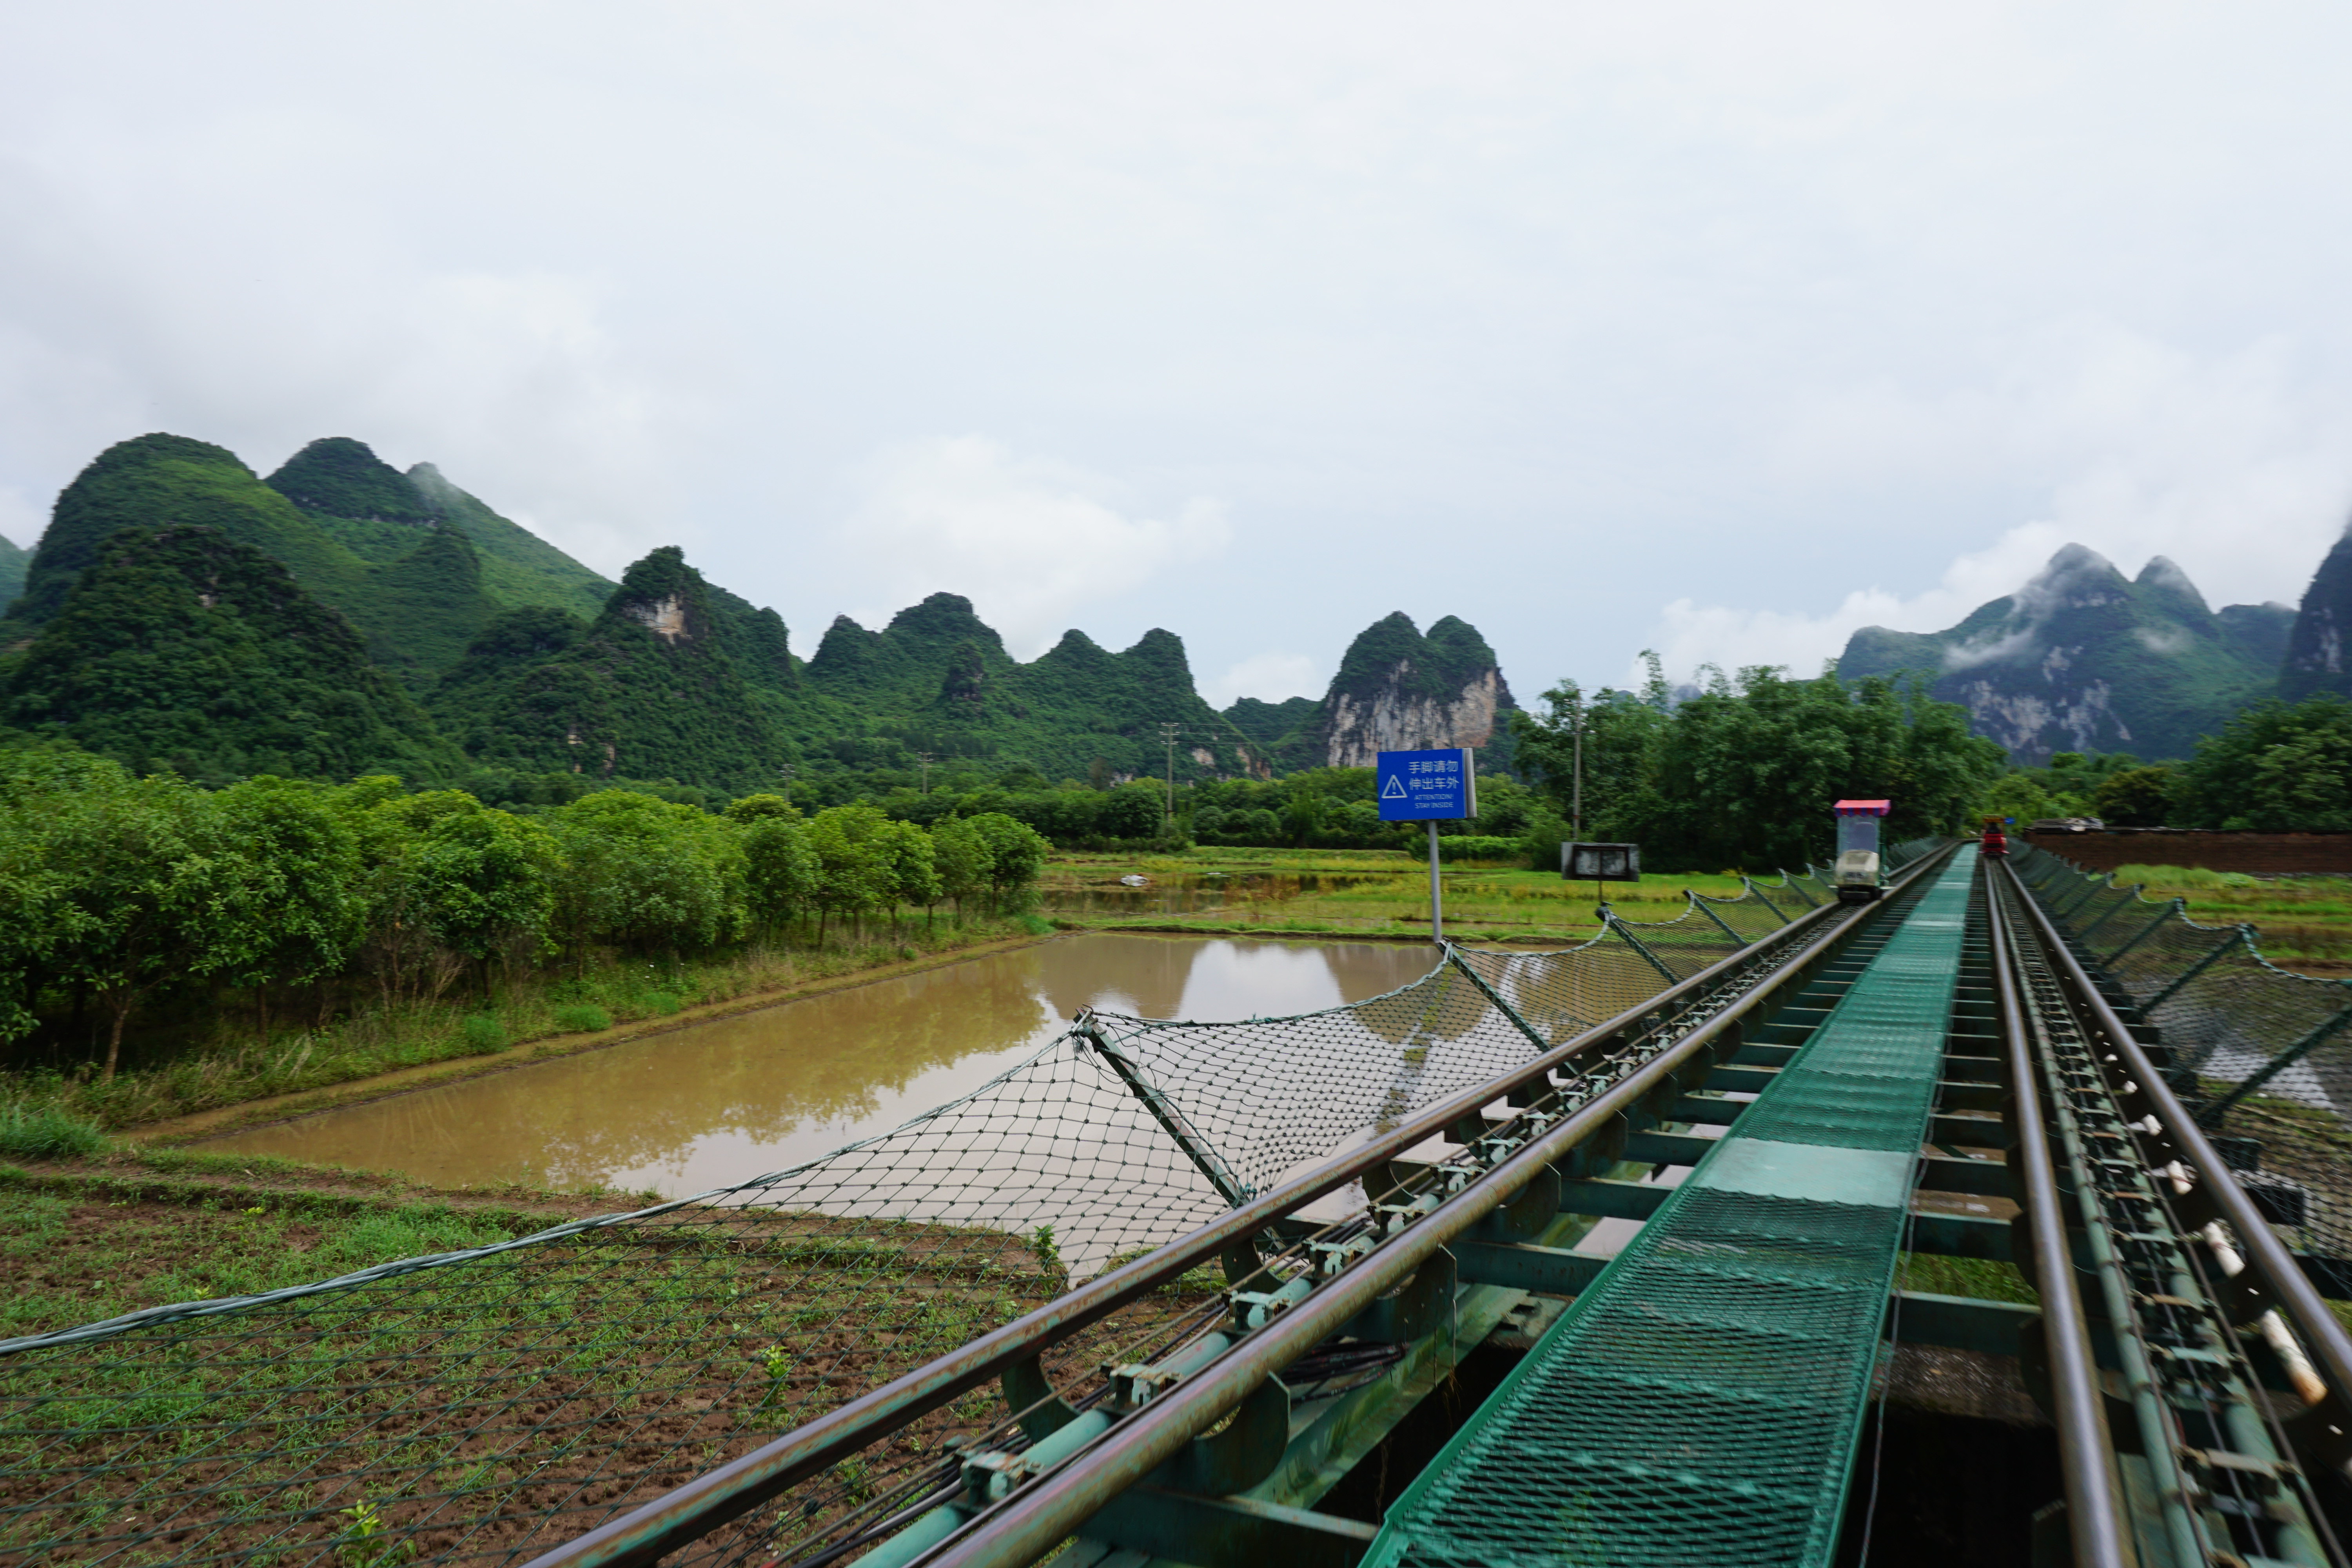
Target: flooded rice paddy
[{"x": 720, "y": 1102}]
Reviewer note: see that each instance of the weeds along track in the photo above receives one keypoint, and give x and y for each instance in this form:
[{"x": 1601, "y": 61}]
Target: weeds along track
[{"x": 485, "y": 1406}]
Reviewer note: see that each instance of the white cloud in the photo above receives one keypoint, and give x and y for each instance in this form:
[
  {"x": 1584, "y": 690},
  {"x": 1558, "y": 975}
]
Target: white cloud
[
  {"x": 2236, "y": 465},
  {"x": 1270, "y": 676},
  {"x": 1027, "y": 539}
]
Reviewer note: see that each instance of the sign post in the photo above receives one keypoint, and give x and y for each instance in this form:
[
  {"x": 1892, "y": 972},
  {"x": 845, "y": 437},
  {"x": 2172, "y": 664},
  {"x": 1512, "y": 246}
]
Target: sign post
[{"x": 1431, "y": 787}]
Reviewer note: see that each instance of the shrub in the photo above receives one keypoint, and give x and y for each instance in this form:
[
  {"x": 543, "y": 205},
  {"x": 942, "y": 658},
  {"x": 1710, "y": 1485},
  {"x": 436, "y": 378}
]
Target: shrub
[
  {"x": 483, "y": 1034},
  {"x": 662, "y": 1004},
  {"x": 47, "y": 1134},
  {"x": 582, "y": 1018}
]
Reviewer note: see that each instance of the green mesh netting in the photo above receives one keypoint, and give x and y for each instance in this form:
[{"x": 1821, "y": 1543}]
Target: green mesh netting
[
  {"x": 1700, "y": 1402},
  {"x": 2263, "y": 1055},
  {"x": 485, "y": 1406}
]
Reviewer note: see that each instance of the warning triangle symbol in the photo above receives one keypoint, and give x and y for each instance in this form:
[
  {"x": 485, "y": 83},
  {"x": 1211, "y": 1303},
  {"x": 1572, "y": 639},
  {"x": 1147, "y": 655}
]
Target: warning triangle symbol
[{"x": 1394, "y": 788}]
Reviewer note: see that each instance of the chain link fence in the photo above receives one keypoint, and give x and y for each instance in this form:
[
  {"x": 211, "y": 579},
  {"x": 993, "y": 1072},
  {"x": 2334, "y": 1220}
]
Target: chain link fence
[
  {"x": 482, "y": 1407},
  {"x": 2263, "y": 1055}
]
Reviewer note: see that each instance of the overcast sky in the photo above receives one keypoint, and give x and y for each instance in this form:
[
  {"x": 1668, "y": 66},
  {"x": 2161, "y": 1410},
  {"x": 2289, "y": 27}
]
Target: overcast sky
[{"x": 1717, "y": 329}]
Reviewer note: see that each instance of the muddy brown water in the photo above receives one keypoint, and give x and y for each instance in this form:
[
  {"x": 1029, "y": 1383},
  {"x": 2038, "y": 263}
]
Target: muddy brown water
[{"x": 721, "y": 1102}]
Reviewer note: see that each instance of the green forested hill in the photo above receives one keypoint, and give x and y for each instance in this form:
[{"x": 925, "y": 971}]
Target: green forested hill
[
  {"x": 529, "y": 662},
  {"x": 155, "y": 480},
  {"x": 12, "y": 562},
  {"x": 2315, "y": 657},
  {"x": 179, "y": 647},
  {"x": 937, "y": 679},
  {"x": 651, "y": 689},
  {"x": 2084, "y": 660},
  {"x": 1274, "y": 729},
  {"x": 421, "y": 612},
  {"x": 518, "y": 567},
  {"x": 381, "y": 515}
]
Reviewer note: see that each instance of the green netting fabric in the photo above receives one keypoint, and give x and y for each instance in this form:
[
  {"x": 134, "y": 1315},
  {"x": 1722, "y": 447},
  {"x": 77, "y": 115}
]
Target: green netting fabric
[
  {"x": 2265, "y": 1055},
  {"x": 1699, "y": 1404},
  {"x": 482, "y": 1407}
]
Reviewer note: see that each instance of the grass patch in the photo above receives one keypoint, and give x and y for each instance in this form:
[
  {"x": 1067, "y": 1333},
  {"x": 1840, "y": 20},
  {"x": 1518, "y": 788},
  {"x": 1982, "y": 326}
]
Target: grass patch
[
  {"x": 1975, "y": 1277},
  {"x": 2301, "y": 922},
  {"x": 44, "y": 1132},
  {"x": 582, "y": 1018},
  {"x": 428, "y": 1406},
  {"x": 1364, "y": 892}
]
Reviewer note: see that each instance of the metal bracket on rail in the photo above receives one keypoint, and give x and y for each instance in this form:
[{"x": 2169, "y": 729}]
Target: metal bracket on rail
[
  {"x": 1164, "y": 1111},
  {"x": 2164, "y": 918},
  {"x": 1721, "y": 924},
  {"x": 1454, "y": 956},
  {"x": 2243, "y": 936},
  {"x": 2211, "y": 1115},
  {"x": 1609, "y": 920}
]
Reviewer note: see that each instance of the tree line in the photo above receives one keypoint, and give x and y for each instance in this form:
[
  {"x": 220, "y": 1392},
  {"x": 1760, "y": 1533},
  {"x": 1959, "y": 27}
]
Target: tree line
[
  {"x": 1741, "y": 771},
  {"x": 114, "y": 887},
  {"x": 2275, "y": 768}
]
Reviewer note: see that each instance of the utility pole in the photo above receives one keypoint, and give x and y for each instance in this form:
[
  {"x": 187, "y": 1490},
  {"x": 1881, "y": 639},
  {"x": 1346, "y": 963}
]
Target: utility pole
[
  {"x": 1168, "y": 733},
  {"x": 924, "y": 758},
  {"x": 1576, "y": 810}
]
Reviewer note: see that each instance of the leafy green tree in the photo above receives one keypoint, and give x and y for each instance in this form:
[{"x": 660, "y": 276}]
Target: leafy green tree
[
  {"x": 1134, "y": 810},
  {"x": 853, "y": 869},
  {"x": 646, "y": 875},
  {"x": 1621, "y": 731},
  {"x": 2275, "y": 768},
  {"x": 961, "y": 857},
  {"x": 1744, "y": 773},
  {"x": 143, "y": 889},
  {"x": 2135, "y": 797},
  {"x": 37, "y": 913},
  {"x": 2020, "y": 795},
  {"x": 1017, "y": 856},
  {"x": 780, "y": 862},
  {"x": 752, "y": 809},
  {"x": 913, "y": 865},
  {"x": 297, "y": 913},
  {"x": 486, "y": 881},
  {"x": 1303, "y": 816}
]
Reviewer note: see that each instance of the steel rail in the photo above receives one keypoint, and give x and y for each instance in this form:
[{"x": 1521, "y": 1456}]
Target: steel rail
[
  {"x": 1036, "y": 1519},
  {"x": 645, "y": 1534},
  {"x": 2094, "y": 1511},
  {"x": 2324, "y": 1337}
]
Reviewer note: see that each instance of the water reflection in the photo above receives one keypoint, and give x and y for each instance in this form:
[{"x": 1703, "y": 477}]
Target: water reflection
[{"x": 723, "y": 1101}]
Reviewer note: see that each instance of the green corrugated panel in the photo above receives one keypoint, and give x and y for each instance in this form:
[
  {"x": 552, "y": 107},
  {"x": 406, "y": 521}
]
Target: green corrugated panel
[{"x": 1700, "y": 1403}]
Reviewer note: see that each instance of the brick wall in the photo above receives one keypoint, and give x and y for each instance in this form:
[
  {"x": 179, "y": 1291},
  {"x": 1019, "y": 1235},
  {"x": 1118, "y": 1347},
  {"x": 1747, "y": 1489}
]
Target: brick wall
[{"x": 2214, "y": 851}]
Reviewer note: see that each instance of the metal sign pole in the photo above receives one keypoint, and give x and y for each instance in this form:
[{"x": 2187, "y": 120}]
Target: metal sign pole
[{"x": 1436, "y": 906}]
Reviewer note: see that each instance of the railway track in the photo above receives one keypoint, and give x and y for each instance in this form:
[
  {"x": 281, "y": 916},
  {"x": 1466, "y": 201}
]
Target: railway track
[{"x": 1825, "y": 1093}]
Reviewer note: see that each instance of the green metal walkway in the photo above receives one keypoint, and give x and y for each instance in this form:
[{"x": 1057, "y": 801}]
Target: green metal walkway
[{"x": 1700, "y": 1403}]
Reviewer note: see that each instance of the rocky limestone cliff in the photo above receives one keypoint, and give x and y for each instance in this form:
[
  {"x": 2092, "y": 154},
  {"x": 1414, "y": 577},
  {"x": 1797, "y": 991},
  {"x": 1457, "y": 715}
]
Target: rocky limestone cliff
[
  {"x": 1398, "y": 690},
  {"x": 2315, "y": 658},
  {"x": 2083, "y": 658}
]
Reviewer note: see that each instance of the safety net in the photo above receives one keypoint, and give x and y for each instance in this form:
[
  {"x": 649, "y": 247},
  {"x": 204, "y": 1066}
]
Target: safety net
[
  {"x": 2263, "y": 1055},
  {"x": 486, "y": 1406}
]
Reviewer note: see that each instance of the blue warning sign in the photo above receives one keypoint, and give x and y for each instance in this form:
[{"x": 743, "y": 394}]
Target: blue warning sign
[{"x": 1427, "y": 786}]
